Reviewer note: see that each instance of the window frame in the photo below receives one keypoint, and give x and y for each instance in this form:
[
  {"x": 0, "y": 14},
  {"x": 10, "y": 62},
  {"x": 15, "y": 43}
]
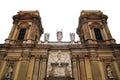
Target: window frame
[
  {"x": 98, "y": 34},
  {"x": 21, "y": 34}
]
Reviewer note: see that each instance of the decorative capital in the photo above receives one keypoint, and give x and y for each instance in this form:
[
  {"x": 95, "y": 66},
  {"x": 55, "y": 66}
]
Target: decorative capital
[
  {"x": 106, "y": 58},
  {"x": 93, "y": 57},
  {"x": 2, "y": 54}
]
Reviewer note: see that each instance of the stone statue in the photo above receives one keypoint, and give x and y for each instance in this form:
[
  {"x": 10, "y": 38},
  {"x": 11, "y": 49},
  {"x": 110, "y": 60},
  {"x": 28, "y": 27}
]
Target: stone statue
[
  {"x": 59, "y": 35},
  {"x": 72, "y": 36},
  {"x": 46, "y": 36},
  {"x": 8, "y": 75},
  {"x": 109, "y": 72}
]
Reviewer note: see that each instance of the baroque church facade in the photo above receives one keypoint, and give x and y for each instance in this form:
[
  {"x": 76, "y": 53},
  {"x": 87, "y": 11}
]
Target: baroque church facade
[{"x": 95, "y": 57}]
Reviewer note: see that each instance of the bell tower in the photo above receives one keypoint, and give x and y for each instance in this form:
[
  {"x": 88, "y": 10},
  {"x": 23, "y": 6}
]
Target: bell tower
[
  {"x": 27, "y": 28},
  {"x": 93, "y": 29}
]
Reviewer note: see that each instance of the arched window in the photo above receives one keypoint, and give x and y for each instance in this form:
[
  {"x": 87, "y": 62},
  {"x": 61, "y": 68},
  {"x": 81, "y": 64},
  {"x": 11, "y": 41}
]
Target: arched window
[
  {"x": 21, "y": 34},
  {"x": 98, "y": 34}
]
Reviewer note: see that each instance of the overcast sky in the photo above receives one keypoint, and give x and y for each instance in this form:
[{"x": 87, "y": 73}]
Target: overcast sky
[{"x": 59, "y": 15}]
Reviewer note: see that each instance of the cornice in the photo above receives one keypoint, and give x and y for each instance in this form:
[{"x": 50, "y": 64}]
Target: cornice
[{"x": 68, "y": 46}]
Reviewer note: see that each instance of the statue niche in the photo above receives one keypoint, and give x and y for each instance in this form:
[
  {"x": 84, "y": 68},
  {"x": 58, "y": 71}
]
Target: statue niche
[
  {"x": 9, "y": 73},
  {"x": 109, "y": 72}
]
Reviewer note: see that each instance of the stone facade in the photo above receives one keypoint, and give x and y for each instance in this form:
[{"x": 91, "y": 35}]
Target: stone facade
[{"x": 95, "y": 57}]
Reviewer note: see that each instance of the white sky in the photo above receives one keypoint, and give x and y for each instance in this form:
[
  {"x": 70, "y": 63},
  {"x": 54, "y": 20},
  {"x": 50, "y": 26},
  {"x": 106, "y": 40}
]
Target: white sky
[{"x": 59, "y": 14}]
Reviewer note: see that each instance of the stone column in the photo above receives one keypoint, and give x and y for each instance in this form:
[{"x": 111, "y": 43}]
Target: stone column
[
  {"x": 23, "y": 70},
  {"x": 30, "y": 68},
  {"x": 43, "y": 67},
  {"x": 95, "y": 67},
  {"x": 86, "y": 31},
  {"x": 32, "y": 31},
  {"x": 117, "y": 69},
  {"x": 3, "y": 66},
  {"x": 16, "y": 32},
  {"x": 17, "y": 70},
  {"x": 104, "y": 34},
  {"x": 101, "y": 69},
  {"x": 82, "y": 68},
  {"x": 107, "y": 30},
  {"x": 29, "y": 32},
  {"x": 40, "y": 69},
  {"x": 74, "y": 66},
  {"x": 12, "y": 31},
  {"x": 78, "y": 68},
  {"x": 88, "y": 68}
]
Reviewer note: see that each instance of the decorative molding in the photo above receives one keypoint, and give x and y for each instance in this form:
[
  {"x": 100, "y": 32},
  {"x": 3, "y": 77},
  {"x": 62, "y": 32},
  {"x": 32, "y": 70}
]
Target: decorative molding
[
  {"x": 96, "y": 25},
  {"x": 58, "y": 78},
  {"x": 12, "y": 58},
  {"x": 3, "y": 54},
  {"x": 117, "y": 56},
  {"x": 94, "y": 57},
  {"x": 77, "y": 57},
  {"x": 41, "y": 57},
  {"x": 24, "y": 25},
  {"x": 106, "y": 58}
]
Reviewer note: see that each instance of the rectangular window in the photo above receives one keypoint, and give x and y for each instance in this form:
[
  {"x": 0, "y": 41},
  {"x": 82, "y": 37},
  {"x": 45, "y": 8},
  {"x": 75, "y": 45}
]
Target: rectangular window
[
  {"x": 98, "y": 34},
  {"x": 21, "y": 34}
]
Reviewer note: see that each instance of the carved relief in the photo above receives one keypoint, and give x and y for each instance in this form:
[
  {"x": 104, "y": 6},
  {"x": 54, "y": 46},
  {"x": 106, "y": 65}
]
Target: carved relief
[
  {"x": 66, "y": 70},
  {"x": 25, "y": 55},
  {"x": 59, "y": 64},
  {"x": 52, "y": 71},
  {"x": 93, "y": 57},
  {"x": 59, "y": 70}
]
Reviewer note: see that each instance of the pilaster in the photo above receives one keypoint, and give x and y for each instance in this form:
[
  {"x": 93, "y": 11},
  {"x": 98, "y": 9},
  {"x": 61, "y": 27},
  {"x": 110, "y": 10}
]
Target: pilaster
[
  {"x": 2, "y": 69},
  {"x": 96, "y": 74},
  {"x": 117, "y": 69},
  {"x": 17, "y": 70},
  {"x": 30, "y": 68},
  {"x": 88, "y": 68},
  {"x": 102, "y": 70},
  {"x": 74, "y": 67},
  {"x": 40, "y": 69},
  {"x": 78, "y": 68},
  {"x": 44, "y": 67},
  {"x": 82, "y": 67}
]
